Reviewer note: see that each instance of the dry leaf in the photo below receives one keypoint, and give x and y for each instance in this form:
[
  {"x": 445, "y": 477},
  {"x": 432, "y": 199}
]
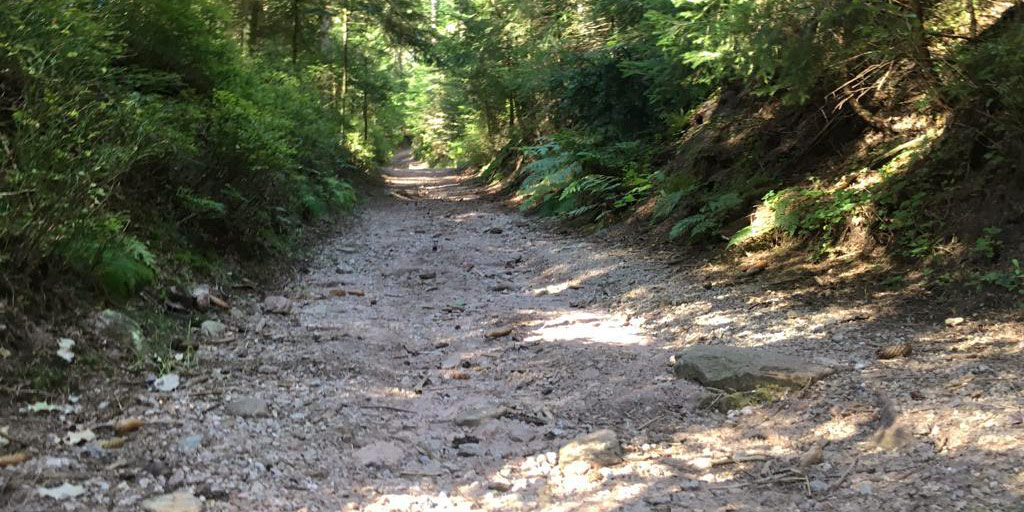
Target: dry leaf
[
  {"x": 112, "y": 443},
  {"x": 127, "y": 425},
  {"x": 13, "y": 459},
  {"x": 812, "y": 457},
  {"x": 499, "y": 333},
  {"x": 82, "y": 436},
  {"x": 894, "y": 351}
]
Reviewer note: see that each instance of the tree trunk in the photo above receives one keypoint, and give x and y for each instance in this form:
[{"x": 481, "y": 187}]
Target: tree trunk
[
  {"x": 973, "y": 17},
  {"x": 255, "y": 8},
  {"x": 295, "y": 33},
  {"x": 366, "y": 104},
  {"x": 344, "y": 57}
]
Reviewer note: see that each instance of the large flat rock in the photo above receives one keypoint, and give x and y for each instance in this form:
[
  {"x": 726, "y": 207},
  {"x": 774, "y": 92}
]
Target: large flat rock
[{"x": 744, "y": 369}]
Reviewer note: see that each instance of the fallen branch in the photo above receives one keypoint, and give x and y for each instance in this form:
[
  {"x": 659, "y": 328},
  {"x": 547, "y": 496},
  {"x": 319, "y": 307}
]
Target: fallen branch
[{"x": 381, "y": 407}]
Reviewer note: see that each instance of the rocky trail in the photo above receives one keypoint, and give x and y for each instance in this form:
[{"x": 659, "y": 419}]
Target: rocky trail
[{"x": 445, "y": 354}]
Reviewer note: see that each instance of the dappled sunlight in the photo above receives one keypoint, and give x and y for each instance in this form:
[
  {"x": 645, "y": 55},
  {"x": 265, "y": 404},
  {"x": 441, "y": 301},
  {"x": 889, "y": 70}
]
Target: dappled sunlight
[{"x": 588, "y": 327}]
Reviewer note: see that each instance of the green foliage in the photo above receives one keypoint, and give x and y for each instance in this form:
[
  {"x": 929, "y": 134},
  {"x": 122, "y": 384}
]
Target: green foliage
[
  {"x": 709, "y": 220},
  {"x": 1011, "y": 280},
  {"x": 575, "y": 175},
  {"x": 987, "y": 245},
  {"x": 131, "y": 128}
]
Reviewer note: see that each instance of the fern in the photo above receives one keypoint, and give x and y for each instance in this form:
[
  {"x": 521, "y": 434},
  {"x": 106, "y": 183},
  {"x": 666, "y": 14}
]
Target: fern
[{"x": 710, "y": 217}]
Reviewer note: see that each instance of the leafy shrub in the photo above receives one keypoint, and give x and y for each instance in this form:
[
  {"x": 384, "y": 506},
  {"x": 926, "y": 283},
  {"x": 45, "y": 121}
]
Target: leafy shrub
[{"x": 130, "y": 127}]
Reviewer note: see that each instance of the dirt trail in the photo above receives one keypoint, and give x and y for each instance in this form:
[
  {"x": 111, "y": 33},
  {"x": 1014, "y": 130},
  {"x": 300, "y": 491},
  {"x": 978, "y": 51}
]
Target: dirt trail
[{"x": 412, "y": 394}]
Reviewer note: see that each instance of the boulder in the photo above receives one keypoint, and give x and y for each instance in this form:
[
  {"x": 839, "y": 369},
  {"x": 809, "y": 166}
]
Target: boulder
[{"x": 745, "y": 369}]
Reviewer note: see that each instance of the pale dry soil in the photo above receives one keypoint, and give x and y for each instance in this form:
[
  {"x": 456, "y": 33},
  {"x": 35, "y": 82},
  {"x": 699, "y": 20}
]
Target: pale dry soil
[{"x": 369, "y": 395}]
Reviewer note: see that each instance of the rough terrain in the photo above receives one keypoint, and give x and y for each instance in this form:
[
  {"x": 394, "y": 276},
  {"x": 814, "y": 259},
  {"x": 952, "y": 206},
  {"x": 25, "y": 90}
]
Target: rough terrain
[{"x": 443, "y": 351}]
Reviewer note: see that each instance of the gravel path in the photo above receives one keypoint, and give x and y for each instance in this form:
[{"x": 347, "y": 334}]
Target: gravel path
[{"x": 442, "y": 350}]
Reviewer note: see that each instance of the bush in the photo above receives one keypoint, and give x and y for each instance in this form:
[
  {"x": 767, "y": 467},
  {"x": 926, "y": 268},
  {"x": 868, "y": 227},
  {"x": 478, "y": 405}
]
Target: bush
[{"x": 129, "y": 126}]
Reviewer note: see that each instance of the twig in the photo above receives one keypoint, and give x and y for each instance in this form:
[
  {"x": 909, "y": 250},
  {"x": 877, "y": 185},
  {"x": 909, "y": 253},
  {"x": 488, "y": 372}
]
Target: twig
[
  {"x": 842, "y": 478},
  {"x": 382, "y": 407},
  {"x": 651, "y": 421}
]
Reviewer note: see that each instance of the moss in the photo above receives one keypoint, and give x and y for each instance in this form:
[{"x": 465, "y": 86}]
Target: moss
[{"x": 725, "y": 402}]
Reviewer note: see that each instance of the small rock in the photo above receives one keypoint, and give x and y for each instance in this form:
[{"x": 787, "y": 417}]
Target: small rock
[
  {"x": 599, "y": 449},
  {"x": 426, "y": 276},
  {"x": 201, "y": 297},
  {"x": 277, "y": 305},
  {"x": 452, "y": 361},
  {"x": 499, "y": 486},
  {"x": 62, "y": 492},
  {"x": 474, "y": 417},
  {"x": 118, "y": 327},
  {"x": 955, "y": 321},
  {"x": 495, "y": 231},
  {"x": 380, "y": 454},
  {"x": 192, "y": 442},
  {"x": 864, "y": 488},
  {"x": 344, "y": 268},
  {"x": 817, "y": 486},
  {"x": 65, "y": 349},
  {"x": 167, "y": 383},
  {"x": 471, "y": 450},
  {"x": 181, "y": 501},
  {"x": 213, "y": 329},
  {"x": 248, "y": 407}
]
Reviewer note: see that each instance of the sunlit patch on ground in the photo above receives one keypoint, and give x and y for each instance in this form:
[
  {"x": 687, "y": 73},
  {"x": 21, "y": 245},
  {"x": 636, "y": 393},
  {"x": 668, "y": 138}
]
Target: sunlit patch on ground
[{"x": 588, "y": 327}]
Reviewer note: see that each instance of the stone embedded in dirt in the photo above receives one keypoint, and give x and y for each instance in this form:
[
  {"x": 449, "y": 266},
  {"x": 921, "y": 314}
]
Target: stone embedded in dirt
[
  {"x": 599, "y": 449},
  {"x": 167, "y": 383},
  {"x": 248, "y": 407},
  {"x": 495, "y": 231},
  {"x": 192, "y": 443},
  {"x": 452, "y": 361},
  {"x": 380, "y": 454},
  {"x": 745, "y": 369},
  {"x": 474, "y": 417},
  {"x": 181, "y": 501},
  {"x": 344, "y": 268},
  {"x": 426, "y": 276},
  {"x": 277, "y": 305},
  {"x": 499, "y": 486},
  {"x": 213, "y": 329},
  {"x": 117, "y": 327},
  {"x": 864, "y": 488},
  {"x": 817, "y": 486},
  {"x": 955, "y": 321}
]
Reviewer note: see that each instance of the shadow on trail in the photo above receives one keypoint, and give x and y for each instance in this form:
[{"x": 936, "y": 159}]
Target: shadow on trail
[{"x": 595, "y": 326}]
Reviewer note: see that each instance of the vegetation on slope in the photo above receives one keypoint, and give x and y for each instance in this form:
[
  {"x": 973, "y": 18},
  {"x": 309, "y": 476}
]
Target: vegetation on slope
[
  {"x": 850, "y": 127},
  {"x": 136, "y": 135}
]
